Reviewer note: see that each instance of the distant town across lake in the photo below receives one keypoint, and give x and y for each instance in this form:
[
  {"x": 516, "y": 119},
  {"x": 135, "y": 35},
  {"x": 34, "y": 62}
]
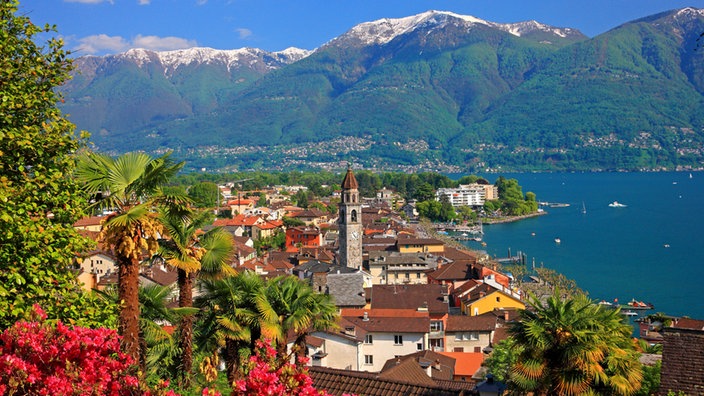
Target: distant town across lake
[{"x": 649, "y": 247}]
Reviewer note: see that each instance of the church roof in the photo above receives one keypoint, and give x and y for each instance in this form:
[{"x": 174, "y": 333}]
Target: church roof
[{"x": 350, "y": 182}]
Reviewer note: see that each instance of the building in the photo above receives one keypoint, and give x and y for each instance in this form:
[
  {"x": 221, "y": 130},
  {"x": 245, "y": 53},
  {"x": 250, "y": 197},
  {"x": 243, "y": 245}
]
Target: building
[
  {"x": 350, "y": 223},
  {"x": 683, "y": 358},
  {"x": 388, "y": 268},
  {"x": 474, "y": 194},
  {"x": 302, "y": 236},
  {"x": 387, "y": 333}
]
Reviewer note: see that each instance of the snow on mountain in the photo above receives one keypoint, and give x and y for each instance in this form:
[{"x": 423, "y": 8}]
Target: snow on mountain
[
  {"x": 172, "y": 60},
  {"x": 384, "y": 30}
]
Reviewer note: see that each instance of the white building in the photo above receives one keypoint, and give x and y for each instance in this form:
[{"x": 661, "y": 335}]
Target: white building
[{"x": 474, "y": 194}]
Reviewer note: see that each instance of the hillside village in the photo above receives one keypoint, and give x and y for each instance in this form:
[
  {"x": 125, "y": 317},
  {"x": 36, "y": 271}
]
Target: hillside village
[{"x": 415, "y": 311}]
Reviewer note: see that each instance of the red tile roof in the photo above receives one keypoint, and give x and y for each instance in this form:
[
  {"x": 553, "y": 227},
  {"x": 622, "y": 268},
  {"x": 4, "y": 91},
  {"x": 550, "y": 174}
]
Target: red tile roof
[
  {"x": 388, "y": 320},
  {"x": 349, "y": 182},
  {"x": 466, "y": 363},
  {"x": 338, "y": 382}
]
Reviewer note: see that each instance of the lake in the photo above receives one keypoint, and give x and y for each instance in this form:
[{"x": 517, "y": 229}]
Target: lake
[{"x": 651, "y": 250}]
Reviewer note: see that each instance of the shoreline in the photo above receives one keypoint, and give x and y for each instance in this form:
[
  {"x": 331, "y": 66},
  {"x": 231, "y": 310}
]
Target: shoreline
[{"x": 511, "y": 219}]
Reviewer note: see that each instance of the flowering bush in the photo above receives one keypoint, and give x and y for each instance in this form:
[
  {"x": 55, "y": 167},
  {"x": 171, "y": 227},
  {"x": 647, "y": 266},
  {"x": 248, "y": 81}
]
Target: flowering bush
[
  {"x": 265, "y": 375},
  {"x": 40, "y": 359}
]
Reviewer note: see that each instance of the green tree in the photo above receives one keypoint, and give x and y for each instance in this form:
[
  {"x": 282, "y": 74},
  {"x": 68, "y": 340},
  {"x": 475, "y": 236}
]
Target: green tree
[
  {"x": 39, "y": 200},
  {"x": 293, "y": 307},
  {"x": 130, "y": 185},
  {"x": 573, "y": 346},
  {"x": 205, "y": 194},
  {"x": 301, "y": 198},
  {"x": 192, "y": 252},
  {"x": 229, "y": 319},
  {"x": 502, "y": 359}
]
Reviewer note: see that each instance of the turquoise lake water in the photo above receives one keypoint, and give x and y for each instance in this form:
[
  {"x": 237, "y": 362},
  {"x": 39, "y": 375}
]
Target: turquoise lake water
[{"x": 651, "y": 250}]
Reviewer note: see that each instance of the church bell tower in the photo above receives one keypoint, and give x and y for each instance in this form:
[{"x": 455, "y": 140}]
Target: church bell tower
[{"x": 350, "y": 224}]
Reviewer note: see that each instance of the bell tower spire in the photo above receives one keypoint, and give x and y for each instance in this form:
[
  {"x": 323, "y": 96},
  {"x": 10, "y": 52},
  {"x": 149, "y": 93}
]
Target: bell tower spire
[{"x": 350, "y": 223}]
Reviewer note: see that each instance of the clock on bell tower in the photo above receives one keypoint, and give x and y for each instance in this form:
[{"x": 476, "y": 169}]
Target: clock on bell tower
[{"x": 350, "y": 224}]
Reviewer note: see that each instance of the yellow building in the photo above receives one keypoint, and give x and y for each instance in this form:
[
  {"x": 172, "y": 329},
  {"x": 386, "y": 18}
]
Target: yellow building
[
  {"x": 419, "y": 245},
  {"x": 485, "y": 298}
]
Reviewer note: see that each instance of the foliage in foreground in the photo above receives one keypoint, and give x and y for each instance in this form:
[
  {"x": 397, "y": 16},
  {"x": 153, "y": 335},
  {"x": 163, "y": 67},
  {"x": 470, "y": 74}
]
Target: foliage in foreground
[
  {"x": 40, "y": 359},
  {"x": 572, "y": 346},
  {"x": 39, "y": 201},
  {"x": 268, "y": 375}
]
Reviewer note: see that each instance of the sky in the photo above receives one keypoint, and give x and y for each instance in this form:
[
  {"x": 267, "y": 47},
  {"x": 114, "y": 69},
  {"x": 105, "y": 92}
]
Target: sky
[{"x": 99, "y": 27}]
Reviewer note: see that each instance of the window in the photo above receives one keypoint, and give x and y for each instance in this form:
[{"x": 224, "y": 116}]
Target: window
[
  {"x": 407, "y": 275},
  {"x": 398, "y": 339},
  {"x": 418, "y": 275},
  {"x": 368, "y": 339},
  {"x": 436, "y": 326},
  {"x": 419, "y": 346},
  {"x": 368, "y": 359},
  {"x": 474, "y": 336},
  {"x": 458, "y": 349},
  {"x": 498, "y": 299}
]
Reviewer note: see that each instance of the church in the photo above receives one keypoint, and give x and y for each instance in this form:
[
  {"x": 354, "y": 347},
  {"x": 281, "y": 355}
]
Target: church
[{"x": 350, "y": 224}]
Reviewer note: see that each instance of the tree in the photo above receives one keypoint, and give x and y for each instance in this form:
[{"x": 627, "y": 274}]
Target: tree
[
  {"x": 291, "y": 306},
  {"x": 191, "y": 251},
  {"x": 205, "y": 194},
  {"x": 229, "y": 319},
  {"x": 573, "y": 346},
  {"x": 502, "y": 359},
  {"x": 130, "y": 185},
  {"x": 39, "y": 200}
]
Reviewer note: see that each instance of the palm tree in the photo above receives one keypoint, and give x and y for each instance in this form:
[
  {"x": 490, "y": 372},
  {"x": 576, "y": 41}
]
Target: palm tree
[
  {"x": 130, "y": 186},
  {"x": 291, "y": 306},
  {"x": 159, "y": 350},
  {"x": 229, "y": 318},
  {"x": 573, "y": 346},
  {"x": 192, "y": 252}
]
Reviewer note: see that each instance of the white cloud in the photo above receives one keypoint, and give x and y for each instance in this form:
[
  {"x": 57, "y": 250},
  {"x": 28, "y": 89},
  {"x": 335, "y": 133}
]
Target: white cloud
[
  {"x": 243, "y": 32},
  {"x": 101, "y": 43},
  {"x": 162, "y": 43},
  {"x": 104, "y": 44},
  {"x": 144, "y": 2}
]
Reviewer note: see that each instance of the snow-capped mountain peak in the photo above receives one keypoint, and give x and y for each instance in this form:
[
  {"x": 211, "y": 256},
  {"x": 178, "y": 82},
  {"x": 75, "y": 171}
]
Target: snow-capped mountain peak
[
  {"x": 384, "y": 30},
  {"x": 172, "y": 60}
]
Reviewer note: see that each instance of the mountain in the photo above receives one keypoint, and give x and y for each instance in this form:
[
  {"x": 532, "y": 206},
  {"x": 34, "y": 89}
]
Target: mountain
[
  {"x": 121, "y": 98},
  {"x": 437, "y": 91}
]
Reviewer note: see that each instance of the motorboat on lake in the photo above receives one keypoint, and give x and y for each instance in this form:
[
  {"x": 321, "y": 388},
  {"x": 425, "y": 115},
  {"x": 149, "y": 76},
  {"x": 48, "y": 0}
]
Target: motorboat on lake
[
  {"x": 634, "y": 304},
  {"x": 617, "y": 204}
]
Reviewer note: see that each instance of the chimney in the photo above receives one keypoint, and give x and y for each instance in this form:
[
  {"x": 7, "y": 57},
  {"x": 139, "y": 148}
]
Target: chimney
[
  {"x": 366, "y": 316},
  {"x": 506, "y": 316}
]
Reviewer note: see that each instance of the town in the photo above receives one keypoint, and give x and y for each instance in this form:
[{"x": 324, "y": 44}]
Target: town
[{"x": 416, "y": 311}]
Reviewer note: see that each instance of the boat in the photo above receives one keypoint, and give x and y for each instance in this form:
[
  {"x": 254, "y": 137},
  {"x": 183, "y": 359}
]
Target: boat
[
  {"x": 606, "y": 304},
  {"x": 667, "y": 245},
  {"x": 558, "y": 205},
  {"x": 584, "y": 208},
  {"x": 617, "y": 204},
  {"x": 634, "y": 304},
  {"x": 628, "y": 313},
  {"x": 557, "y": 240},
  {"x": 690, "y": 175}
]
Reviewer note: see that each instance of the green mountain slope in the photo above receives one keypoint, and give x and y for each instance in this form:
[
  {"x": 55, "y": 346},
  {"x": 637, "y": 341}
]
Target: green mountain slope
[{"x": 432, "y": 91}]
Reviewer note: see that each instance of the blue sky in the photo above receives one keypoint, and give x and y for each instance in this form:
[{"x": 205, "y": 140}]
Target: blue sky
[{"x": 111, "y": 26}]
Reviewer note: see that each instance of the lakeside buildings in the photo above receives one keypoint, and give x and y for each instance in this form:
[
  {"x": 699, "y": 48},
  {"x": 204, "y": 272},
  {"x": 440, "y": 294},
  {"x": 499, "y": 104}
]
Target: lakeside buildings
[
  {"x": 472, "y": 195},
  {"x": 413, "y": 310}
]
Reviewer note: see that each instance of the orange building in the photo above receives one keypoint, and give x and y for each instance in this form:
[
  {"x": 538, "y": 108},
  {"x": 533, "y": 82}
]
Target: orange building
[{"x": 303, "y": 237}]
